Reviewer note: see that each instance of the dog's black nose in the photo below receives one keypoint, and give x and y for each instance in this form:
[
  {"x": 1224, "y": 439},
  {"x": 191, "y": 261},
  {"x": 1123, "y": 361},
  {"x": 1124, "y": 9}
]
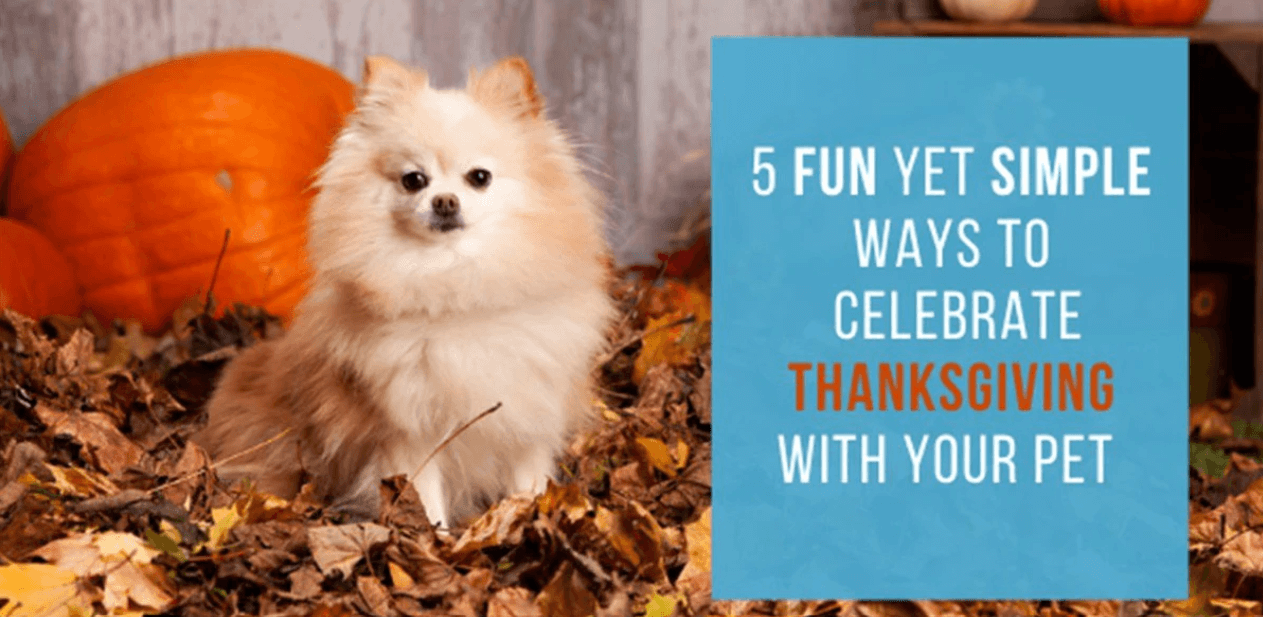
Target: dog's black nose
[{"x": 447, "y": 204}]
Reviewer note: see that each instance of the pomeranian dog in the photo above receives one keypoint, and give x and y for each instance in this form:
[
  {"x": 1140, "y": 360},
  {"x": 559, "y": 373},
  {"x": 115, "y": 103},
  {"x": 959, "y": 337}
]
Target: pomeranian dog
[{"x": 458, "y": 264}]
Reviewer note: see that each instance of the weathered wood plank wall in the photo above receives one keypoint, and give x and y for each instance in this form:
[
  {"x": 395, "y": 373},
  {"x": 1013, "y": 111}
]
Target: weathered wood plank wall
[{"x": 630, "y": 78}]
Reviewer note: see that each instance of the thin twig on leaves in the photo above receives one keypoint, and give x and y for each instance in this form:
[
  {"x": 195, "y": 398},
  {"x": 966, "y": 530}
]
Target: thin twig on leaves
[
  {"x": 587, "y": 564},
  {"x": 215, "y": 273},
  {"x": 687, "y": 319},
  {"x": 193, "y": 474},
  {"x": 109, "y": 503},
  {"x": 456, "y": 433}
]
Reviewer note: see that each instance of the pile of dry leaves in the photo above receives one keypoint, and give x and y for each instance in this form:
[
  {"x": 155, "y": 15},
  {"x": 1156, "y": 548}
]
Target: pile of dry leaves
[
  {"x": 105, "y": 507},
  {"x": 1225, "y": 513}
]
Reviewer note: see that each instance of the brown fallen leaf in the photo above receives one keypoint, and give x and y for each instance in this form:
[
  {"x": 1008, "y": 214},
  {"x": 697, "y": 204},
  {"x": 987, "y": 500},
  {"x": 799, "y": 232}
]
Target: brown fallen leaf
[
  {"x": 1242, "y": 553},
  {"x": 105, "y": 446},
  {"x": 375, "y": 596},
  {"x": 695, "y": 578},
  {"x": 566, "y": 595},
  {"x": 333, "y": 610},
  {"x": 660, "y": 386},
  {"x": 73, "y": 358},
  {"x": 20, "y": 456},
  {"x": 1235, "y": 607},
  {"x": 125, "y": 562},
  {"x": 337, "y": 548},
  {"x": 76, "y": 482},
  {"x": 735, "y": 608},
  {"x": 502, "y": 525},
  {"x": 631, "y": 480},
  {"x": 269, "y": 559},
  {"x": 1249, "y": 504},
  {"x": 1095, "y": 608},
  {"x": 700, "y": 398},
  {"x": 402, "y": 508},
  {"x": 1205, "y": 529},
  {"x": 637, "y": 537},
  {"x": 1210, "y": 421},
  {"x": 186, "y": 470},
  {"x": 11, "y": 494},
  {"x": 432, "y": 579},
  {"x": 940, "y": 609},
  {"x": 1244, "y": 463},
  {"x": 304, "y": 583},
  {"x": 1205, "y": 581},
  {"x": 512, "y": 602},
  {"x": 887, "y": 609}
]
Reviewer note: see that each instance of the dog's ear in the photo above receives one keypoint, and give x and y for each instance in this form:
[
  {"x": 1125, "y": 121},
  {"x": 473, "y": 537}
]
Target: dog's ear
[
  {"x": 508, "y": 85},
  {"x": 382, "y": 73}
]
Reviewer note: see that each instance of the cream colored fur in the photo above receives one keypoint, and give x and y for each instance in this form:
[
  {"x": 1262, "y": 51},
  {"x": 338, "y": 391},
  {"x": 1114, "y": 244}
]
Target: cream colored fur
[{"x": 408, "y": 331}]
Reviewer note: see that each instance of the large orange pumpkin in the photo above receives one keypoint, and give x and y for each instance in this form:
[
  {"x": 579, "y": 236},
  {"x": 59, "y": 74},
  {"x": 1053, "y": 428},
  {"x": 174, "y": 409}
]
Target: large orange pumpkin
[
  {"x": 1172, "y": 13},
  {"x": 35, "y": 278},
  {"x": 137, "y": 180}
]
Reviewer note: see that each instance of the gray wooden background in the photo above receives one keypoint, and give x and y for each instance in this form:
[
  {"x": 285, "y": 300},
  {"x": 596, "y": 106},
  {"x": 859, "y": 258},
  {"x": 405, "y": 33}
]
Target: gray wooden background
[{"x": 629, "y": 77}]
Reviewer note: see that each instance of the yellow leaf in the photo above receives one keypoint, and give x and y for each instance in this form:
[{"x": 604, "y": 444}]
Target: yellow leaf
[
  {"x": 39, "y": 589},
  {"x": 79, "y": 482},
  {"x": 398, "y": 577},
  {"x": 606, "y": 412},
  {"x": 660, "y": 606},
  {"x": 665, "y": 343},
  {"x": 697, "y": 535},
  {"x": 695, "y": 578},
  {"x": 123, "y": 559},
  {"x": 681, "y": 454},
  {"x": 169, "y": 530},
  {"x": 570, "y": 499},
  {"x": 115, "y": 546},
  {"x": 165, "y": 543},
  {"x": 223, "y": 521},
  {"x": 657, "y": 454}
]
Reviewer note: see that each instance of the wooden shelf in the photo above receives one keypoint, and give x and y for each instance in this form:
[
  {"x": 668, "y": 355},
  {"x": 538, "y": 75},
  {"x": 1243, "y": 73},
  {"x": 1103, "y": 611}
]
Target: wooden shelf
[{"x": 1206, "y": 33}]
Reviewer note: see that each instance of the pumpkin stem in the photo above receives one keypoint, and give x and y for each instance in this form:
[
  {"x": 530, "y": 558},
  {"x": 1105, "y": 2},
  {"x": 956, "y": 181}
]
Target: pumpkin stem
[{"x": 215, "y": 273}]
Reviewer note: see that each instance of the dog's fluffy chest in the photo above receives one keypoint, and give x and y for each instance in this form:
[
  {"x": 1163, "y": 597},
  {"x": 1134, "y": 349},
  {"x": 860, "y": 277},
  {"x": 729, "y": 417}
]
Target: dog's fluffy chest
[{"x": 434, "y": 375}]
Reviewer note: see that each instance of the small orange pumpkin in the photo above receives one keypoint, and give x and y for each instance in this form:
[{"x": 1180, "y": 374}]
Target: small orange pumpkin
[
  {"x": 1170, "y": 13},
  {"x": 137, "y": 180},
  {"x": 35, "y": 278}
]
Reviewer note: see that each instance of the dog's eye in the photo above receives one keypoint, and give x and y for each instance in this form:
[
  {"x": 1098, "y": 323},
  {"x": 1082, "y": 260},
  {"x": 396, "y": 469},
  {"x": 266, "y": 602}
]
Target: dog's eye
[
  {"x": 414, "y": 181},
  {"x": 478, "y": 178}
]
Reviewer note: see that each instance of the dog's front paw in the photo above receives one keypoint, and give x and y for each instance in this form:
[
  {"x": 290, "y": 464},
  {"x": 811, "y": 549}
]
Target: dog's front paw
[
  {"x": 533, "y": 472},
  {"x": 429, "y": 485}
]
